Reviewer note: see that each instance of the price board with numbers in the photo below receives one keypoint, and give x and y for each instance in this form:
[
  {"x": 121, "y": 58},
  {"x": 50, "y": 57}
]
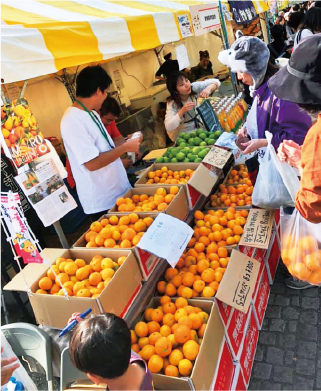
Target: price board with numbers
[{"x": 209, "y": 117}]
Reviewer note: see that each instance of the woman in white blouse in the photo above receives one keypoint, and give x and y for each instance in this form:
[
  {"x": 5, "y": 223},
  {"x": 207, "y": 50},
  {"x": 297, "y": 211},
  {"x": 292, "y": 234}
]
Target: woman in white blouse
[{"x": 181, "y": 114}]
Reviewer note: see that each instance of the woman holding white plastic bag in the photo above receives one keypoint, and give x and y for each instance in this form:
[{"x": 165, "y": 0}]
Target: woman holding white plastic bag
[
  {"x": 300, "y": 82},
  {"x": 249, "y": 57}
]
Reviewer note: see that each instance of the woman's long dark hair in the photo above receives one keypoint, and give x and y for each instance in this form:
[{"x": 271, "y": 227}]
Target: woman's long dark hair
[
  {"x": 171, "y": 84},
  {"x": 204, "y": 54},
  {"x": 312, "y": 20}
]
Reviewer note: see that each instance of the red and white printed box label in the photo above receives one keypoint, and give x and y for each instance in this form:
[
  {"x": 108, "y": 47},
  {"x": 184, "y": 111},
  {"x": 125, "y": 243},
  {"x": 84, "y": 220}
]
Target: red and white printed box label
[
  {"x": 224, "y": 311},
  {"x": 236, "y": 330},
  {"x": 249, "y": 251},
  {"x": 147, "y": 262},
  {"x": 262, "y": 298},
  {"x": 274, "y": 258},
  {"x": 225, "y": 371},
  {"x": 249, "y": 349},
  {"x": 193, "y": 196}
]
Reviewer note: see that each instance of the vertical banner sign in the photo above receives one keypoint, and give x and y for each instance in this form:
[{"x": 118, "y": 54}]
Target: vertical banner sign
[
  {"x": 243, "y": 11},
  {"x": 205, "y": 18},
  {"x": 185, "y": 25},
  {"x": 12, "y": 214}
]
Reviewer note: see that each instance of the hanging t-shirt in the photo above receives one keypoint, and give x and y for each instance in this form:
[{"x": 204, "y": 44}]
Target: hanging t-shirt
[{"x": 97, "y": 190}]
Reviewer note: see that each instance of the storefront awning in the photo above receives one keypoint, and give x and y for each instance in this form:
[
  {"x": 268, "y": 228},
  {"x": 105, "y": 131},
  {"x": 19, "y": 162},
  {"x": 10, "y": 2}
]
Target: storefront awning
[{"x": 39, "y": 37}]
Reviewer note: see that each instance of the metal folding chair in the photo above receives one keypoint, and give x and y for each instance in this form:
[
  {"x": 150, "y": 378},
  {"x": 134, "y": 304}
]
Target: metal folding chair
[{"x": 28, "y": 340}]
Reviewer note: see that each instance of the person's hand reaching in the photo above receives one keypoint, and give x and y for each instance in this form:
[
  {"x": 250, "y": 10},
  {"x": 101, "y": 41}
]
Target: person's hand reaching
[{"x": 8, "y": 365}]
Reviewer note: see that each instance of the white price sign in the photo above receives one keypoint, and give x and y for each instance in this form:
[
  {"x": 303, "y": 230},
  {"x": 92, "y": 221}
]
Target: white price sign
[
  {"x": 205, "y": 18},
  {"x": 166, "y": 238}
]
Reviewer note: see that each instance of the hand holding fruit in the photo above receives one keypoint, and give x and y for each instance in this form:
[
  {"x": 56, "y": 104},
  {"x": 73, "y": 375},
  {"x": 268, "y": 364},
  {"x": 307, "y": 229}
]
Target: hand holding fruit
[
  {"x": 187, "y": 107},
  {"x": 290, "y": 152},
  {"x": 132, "y": 145}
]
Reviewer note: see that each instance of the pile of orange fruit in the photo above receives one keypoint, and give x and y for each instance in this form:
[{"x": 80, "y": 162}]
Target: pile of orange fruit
[
  {"x": 217, "y": 228},
  {"x": 196, "y": 274},
  {"x": 238, "y": 195},
  {"x": 239, "y": 174},
  {"x": 78, "y": 278},
  {"x": 170, "y": 336},
  {"x": 117, "y": 232},
  {"x": 167, "y": 176},
  {"x": 145, "y": 203},
  {"x": 302, "y": 258}
]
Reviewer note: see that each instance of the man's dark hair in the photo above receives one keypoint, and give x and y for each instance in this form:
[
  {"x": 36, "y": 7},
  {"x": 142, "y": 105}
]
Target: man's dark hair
[
  {"x": 110, "y": 105},
  {"x": 168, "y": 56},
  {"x": 312, "y": 20},
  {"x": 296, "y": 7},
  {"x": 101, "y": 345},
  {"x": 90, "y": 79},
  {"x": 295, "y": 20}
]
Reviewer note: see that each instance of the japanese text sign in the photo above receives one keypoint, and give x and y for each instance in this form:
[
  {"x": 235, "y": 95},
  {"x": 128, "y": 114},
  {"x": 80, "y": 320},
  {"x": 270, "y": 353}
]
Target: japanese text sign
[
  {"x": 205, "y": 18},
  {"x": 217, "y": 157},
  {"x": 166, "y": 238},
  {"x": 258, "y": 228},
  {"x": 238, "y": 284}
]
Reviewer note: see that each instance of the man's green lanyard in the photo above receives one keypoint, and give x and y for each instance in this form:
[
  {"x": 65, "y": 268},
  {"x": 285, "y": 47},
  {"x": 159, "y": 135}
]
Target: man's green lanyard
[{"x": 94, "y": 118}]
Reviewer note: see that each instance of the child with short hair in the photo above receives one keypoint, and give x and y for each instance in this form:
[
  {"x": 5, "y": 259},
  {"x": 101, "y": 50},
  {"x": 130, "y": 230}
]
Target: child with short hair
[{"x": 100, "y": 346}]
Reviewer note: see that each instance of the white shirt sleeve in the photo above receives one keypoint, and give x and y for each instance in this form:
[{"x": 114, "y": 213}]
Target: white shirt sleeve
[
  {"x": 304, "y": 34},
  {"x": 172, "y": 119},
  {"x": 199, "y": 86},
  {"x": 76, "y": 138}
]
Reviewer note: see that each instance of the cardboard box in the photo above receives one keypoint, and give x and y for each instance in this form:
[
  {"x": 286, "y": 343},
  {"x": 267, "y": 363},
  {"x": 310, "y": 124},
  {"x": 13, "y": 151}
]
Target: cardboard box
[
  {"x": 177, "y": 208},
  {"x": 249, "y": 349},
  {"x": 157, "y": 166},
  {"x": 238, "y": 381},
  {"x": 207, "y": 361},
  {"x": 54, "y": 311},
  {"x": 193, "y": 195},
  {"x": 225, "y": 370},
  {"x": 147, "y": 262},
  {"x": 213, "y": 169},
  {"x": 81, "y": 242},
  {"x": 261, "y": 299}
]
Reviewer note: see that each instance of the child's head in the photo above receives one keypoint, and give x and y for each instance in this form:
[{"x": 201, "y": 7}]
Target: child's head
[{"x": 100, "y": 346}]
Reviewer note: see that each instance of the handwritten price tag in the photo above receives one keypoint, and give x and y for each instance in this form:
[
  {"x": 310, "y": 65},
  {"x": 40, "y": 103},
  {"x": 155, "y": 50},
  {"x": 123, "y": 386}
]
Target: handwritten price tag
[
  {"x": 238, "y": 284},
  {"x": 217, "y": 157},
  {"x": 166, "y": 238},
  {"x": 258, "y": 228}
]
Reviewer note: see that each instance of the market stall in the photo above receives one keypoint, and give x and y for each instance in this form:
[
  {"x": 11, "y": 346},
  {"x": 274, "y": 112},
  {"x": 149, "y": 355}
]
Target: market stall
[{"x": 186, "y": 241}]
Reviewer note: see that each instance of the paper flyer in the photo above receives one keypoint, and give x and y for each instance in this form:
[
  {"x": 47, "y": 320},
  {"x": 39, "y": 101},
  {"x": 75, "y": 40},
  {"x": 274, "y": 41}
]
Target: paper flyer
[
  {"x": 11, "y": 212},
  {"x": 46, "y": 191},
  {"x": 185, "y": 25},
  {"x": 20, "y": 137}
]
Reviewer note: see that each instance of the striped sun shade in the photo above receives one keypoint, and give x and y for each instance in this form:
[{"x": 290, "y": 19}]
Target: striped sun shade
[{"x": 39, "y": 37}]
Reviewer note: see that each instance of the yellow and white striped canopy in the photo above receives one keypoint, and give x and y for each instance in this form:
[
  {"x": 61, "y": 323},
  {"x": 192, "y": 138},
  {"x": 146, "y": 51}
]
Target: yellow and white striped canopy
[{"x": 39, "y": 37}]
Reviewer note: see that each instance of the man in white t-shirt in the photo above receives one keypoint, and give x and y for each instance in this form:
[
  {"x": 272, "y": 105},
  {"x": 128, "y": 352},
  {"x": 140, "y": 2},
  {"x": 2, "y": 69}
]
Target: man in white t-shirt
[{"x": 94, "y": 158}]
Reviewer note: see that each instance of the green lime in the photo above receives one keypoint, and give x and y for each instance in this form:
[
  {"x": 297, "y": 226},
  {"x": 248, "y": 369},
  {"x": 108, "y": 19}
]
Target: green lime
[
  {"x": 174, "y": 160},
  {"x": 202, "y": 154},
  {"x": 218, "y": 133},
  {"x": 193, "y": 134},
  {"x": 174, "y": 152},
  {"x": 203, "y": 144},
  {"x": 196, "y": 150},
  {"x": 198, "y": 160},
  {"x": 211, "y": 135},
  {"x": 191, "y": 141},
  {"x": 166, "y": 160},
  {"x": 197, "y": 141},
  {"x": 202, "y": 136},
  {"x": 180, "y": 156},
  {"x": 211, "y": 141},
  {"x": 159, "y": 160},
  {"x": 186, "y": 160},
  {"x": 182, "y": 144}
]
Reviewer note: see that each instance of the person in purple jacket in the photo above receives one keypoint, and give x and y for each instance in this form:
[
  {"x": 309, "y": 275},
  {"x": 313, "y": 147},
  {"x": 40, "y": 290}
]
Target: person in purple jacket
[
  {"x": 100, "y": 346},
  {"x": 250, "y": 58}
]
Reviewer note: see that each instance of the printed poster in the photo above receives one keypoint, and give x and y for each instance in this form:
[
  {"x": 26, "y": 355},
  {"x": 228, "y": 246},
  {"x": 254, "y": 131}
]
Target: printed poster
[
  {"x": 24, "y": 245},
  {"x": 46, "y": 191}
]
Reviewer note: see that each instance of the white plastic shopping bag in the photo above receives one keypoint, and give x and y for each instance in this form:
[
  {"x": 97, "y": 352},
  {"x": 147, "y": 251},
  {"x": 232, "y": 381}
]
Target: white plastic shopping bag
[
  {"x": 20, "y": 373},
  {"x": 270, "y": 191}
]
